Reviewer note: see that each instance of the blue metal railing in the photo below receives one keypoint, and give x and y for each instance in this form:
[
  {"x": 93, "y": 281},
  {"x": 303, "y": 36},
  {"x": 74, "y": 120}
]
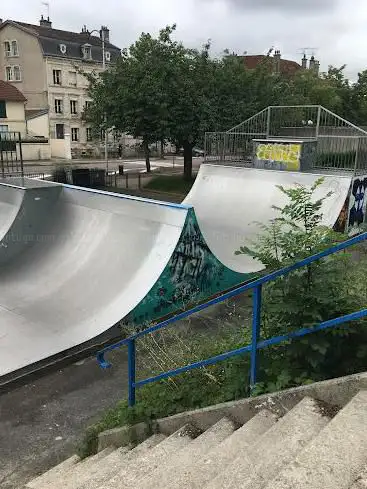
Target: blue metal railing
[{"x": 256, "y": 323}]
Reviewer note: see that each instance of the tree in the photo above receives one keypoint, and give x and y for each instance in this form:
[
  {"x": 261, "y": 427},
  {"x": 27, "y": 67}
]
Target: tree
[
  {"x": 192, "y": 102},
  {"x": 133, "y": 93},
  {"x": 308, "y": 296},
  {"x": 159, "y": 90},
  {"x": 358, "y": 100}
]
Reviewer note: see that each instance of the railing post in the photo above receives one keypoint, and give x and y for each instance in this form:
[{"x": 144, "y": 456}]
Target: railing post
[
  {"x": 256, "y": 317},
  {"x": 131, "y": 372}
]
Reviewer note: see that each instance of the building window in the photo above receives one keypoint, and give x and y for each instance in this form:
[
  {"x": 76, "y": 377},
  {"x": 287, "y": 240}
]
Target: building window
[
  {"x": 108, "y": 56},
  {"x": 73, "y": 107},
  {"x": 72, "y": 78},
  {"x": 88, "y": 104},
  {"x": 87, "y": 51},
  {"x": 13, "y": 73},
  {"x": 57, "y": 77},
  {"x": 7, "y": 48},
  {"x": 59, "y": 131},
  {"x": 4, "y": 128},
  {"x": 89, "y": 134},
  {"x": 62, "y": 48},
  {"x": 58, "y": 106},
  {"x": 11, "y": 49},
  {"x": 75, "y": 134},
  {"x": 2, "y": 109}
]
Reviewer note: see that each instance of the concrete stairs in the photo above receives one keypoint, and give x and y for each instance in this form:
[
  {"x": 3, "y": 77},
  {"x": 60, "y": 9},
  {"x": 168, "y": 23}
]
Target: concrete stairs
[{"x": 311, "y": 446}]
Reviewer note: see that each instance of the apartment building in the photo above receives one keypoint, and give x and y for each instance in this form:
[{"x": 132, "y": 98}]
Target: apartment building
[{"x": 46, "y": 65}]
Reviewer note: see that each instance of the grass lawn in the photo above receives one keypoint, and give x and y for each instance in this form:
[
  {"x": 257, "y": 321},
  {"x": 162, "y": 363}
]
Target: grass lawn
[{"x": 168, "y": 183}]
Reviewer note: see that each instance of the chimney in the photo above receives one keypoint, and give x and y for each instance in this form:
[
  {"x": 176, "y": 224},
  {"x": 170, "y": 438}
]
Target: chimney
[
  {"x": 317, "y": 68},
  {"x": 304, "y": 62},
  {"x": 277, "y": 57},
  {"x": 104, "y": 34},
  {"x": 45, "y": 22},
  {"x": 312, "y": 63}
]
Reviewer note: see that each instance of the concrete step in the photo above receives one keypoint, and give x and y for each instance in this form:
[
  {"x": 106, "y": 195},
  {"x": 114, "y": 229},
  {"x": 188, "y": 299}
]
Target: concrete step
[
  {"x": 258, "y": 464},
  {"x": 335, "y": 458},
  {"x": 129, "y": 473},
  {"x": 105, "y": 468},
  {"x": 178, "y": 464},
  {"x": 52, "y": 474},
  {"x": 214, "y": 462}
]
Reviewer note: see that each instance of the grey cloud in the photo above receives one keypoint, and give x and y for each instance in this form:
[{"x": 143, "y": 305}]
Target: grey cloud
[{"x": 309, "y": 6}]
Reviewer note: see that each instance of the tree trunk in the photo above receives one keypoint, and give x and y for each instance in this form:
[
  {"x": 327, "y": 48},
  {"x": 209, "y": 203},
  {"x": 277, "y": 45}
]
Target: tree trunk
[
  {"x": 187, "y": 160},
  {"x": 162, "y": 149},
  {"x": 147, "y": 155}
]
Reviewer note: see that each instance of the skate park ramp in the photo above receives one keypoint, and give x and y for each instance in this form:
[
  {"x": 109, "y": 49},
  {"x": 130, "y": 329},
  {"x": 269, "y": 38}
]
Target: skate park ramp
[
  {"x": 228, "y": 201},
  {"x": 74, "y": 262}
]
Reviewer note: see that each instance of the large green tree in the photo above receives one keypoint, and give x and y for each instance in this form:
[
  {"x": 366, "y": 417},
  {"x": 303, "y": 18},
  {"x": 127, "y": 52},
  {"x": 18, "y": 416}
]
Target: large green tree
[{"x": 134, "y": 94}]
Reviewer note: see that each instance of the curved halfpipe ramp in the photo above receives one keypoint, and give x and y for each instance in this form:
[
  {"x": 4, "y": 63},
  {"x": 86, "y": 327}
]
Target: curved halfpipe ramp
[
  {"x": 74, "y": 262},
  {"x": 228, "y": 201}
]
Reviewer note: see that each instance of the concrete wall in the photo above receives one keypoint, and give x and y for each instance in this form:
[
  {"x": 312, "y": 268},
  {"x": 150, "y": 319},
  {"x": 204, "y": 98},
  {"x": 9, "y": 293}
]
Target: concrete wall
[
  {"x": 39, "y": 126},
  {"x": 36, "y": 151},
  {"x": 57, "y": 148},
  {"x": 30, "y": 60},
  {"x": 60, "y": 148}
]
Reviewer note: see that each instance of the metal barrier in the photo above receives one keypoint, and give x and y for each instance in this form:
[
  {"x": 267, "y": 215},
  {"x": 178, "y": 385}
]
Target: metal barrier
[
  {"x": 40, "y": 176},
  {"x": 255, "y": 345},
  {"x": 11, "y": 155},
  {"x": 341, "y": 145}
]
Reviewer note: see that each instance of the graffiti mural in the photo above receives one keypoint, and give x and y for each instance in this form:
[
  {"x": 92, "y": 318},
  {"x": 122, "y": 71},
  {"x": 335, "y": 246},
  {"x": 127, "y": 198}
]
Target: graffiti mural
[
  {"x": 279, "y": 156},
  {"x": 357, "y": 206},
  {"x": 193, "y": 274},
  {"x": 341, "y": 224}
]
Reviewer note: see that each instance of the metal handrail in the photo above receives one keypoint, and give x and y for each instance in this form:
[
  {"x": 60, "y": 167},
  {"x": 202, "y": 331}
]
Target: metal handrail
[{"x": 255, "y": 343}]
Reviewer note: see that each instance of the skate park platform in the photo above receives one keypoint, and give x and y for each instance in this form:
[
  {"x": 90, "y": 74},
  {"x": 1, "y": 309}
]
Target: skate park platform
[{"x": 75, "y": 262}]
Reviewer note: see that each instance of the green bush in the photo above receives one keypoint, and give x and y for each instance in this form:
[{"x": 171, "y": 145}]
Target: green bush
[
  {"x": 345, "y": 160},
  {"x": 326, "y": 289}
]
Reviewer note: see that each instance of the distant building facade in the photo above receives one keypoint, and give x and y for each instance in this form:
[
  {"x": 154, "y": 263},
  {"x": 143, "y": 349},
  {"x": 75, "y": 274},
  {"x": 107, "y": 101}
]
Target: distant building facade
[{"x": 45, "y": 64}]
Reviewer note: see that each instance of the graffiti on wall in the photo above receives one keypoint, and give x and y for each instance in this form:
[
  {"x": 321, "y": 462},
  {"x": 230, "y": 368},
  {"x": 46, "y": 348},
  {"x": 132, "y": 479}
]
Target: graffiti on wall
[
  {"x": 357, "y": 206},
  {"x": 279, "y": 156},
  {"x": 192, "y": 275}
]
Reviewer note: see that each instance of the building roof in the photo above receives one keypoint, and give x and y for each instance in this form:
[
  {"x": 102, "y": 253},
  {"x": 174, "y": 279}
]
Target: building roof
[
  {"x": 9, "y": 93},
  {"x": 33, "y": 113},
  {"x": 51, "y": 39},
  {"x": 286, "y": 66}
]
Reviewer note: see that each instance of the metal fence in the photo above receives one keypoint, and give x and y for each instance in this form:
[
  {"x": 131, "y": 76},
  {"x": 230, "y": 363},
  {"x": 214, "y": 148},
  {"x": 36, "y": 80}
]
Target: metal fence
[
  {"x": 340, "y": 144},
  {"x": 11, "y": 156},
  {"x": 39, "y": 176}
]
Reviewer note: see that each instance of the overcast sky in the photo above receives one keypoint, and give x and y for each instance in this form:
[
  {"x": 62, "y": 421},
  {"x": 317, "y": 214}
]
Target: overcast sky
[{"x": 335, "y": 28}]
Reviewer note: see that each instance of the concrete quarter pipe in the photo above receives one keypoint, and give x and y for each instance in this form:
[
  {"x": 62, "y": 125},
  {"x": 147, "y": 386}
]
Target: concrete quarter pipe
[{"x": 74, "y": 262}]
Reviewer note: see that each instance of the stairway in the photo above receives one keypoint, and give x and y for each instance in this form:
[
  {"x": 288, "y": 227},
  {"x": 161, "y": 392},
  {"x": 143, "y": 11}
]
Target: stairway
[{"x": 313, "y": 446}]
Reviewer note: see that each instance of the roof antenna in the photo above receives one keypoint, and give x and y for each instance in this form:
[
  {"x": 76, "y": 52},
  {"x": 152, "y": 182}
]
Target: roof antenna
[{"x": 47, "y": 5}]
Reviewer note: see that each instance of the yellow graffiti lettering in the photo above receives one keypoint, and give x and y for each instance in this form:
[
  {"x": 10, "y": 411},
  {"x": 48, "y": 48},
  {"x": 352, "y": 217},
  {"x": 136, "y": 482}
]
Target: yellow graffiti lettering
[{"x": 284, "y": 153}]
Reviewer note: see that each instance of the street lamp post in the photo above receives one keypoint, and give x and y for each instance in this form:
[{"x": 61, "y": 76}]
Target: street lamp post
[{"x": 103, "y": 40}]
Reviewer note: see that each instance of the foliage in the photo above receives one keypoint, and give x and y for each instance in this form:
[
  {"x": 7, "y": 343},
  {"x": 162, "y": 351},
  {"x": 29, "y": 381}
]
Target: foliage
[
  {"x": 199, "y": 388},
  {"x": 323, "y": 290}
]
